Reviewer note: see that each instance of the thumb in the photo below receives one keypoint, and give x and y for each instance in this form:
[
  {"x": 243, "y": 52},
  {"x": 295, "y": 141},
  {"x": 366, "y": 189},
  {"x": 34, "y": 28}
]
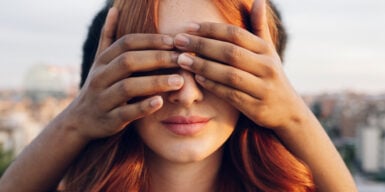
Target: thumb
[
  {"x": 259, "y": 21},
  {"x": 108, "y": 32}
]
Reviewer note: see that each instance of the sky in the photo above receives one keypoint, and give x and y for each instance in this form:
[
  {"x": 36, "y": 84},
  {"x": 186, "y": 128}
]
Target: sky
[{"x": 333, "y": 45}]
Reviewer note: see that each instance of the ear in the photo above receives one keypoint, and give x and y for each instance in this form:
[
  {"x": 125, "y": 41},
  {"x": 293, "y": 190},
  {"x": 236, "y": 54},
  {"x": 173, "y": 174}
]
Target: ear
[{"x": 259, "y": 20}]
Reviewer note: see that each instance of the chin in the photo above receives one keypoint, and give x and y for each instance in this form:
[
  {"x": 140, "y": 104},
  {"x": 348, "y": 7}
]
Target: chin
[
  {"x": 186, "y": 157},
  {"x": 185, "y": 153}
]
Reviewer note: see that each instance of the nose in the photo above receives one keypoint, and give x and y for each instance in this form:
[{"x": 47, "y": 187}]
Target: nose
[{"x": 189, "y": 94}]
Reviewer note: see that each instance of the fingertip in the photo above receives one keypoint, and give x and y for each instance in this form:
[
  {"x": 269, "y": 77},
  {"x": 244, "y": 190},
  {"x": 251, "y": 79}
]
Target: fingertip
[
  {"x": 156, "y": 102},
  {"x": 258, "y": 14},
  {"x": 259, "y": 18},
  {"x": 112, "y": 15},
  {"x": 185, "y": 61},
  {"x": 113, "y": 9},
  {"x": 175, "y": 81},
  {"x": 108, "y": 31},
  {"x": 113, "y": 12},
  {"x": 181, "y": 40},
  {"x": 192, "y": 27}
]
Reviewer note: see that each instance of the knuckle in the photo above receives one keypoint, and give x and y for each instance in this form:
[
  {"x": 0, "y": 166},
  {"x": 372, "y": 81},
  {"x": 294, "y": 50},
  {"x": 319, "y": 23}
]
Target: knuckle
[
  {"x": 122, "y": 115},
  {"x": 210, "y": 29},
  {"x": 265, "y": 89},
  {"x": 162, "y": 58},
  {"x": 269, "y": 68},
  {"x": 142, "y": 109},
  {"x": 158, "y": 82},
  {"x": 260, "y": 114},
  {"x": 201, "y": 66},
  {"x": 233, "y": 77},
  {"x": 265, "y": 46},
  {"x": 232, "y": 53},
  {"x": 126, "y": 41},
  {"x": 234, "y": 96},
  {"x": 125, "y": 88},
  {"x": 199, "y": 45},
  {"x": 94, "y": 80},
  {"x": 125, "y": 61},
  {"x": 98, "y": 59},
  {"x": 156, "y": 39},
  {"x": 235, "y": 34},
  {"x": 94, "y": 83}
]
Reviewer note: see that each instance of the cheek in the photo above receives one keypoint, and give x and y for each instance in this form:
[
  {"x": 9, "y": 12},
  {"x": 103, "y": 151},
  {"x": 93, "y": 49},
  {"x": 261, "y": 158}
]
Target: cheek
[
  {"x": 144, "y": 127},
  {"x": 226, "y": 112}
]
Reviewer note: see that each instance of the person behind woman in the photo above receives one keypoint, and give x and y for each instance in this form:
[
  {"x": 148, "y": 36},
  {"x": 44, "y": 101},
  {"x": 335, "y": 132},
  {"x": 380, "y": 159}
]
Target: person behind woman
[{"x": 179, "y": 101}]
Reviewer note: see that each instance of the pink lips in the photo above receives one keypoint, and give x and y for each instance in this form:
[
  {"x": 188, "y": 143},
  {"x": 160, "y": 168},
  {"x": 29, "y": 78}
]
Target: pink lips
[{"x": 185, "y": 126}]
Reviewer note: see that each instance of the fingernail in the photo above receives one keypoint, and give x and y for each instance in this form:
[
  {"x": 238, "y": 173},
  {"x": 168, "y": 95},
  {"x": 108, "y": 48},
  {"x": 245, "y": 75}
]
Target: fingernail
[
  {"x": 185, "y": 60},
  {"x": 193, "y": 27},
  {"x": 181, "y": 40},
  {"x": 200, "y": 78},
  {"x": 175, "y": 81},
  {"x": 156, "y": 102},
  {"x": 168, "y": 41}
]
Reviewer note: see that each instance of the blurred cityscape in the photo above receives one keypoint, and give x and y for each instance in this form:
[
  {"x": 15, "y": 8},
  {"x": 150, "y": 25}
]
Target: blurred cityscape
[
  {"x": 355, "y": 121},
  {"x": 24, "y": 112}
]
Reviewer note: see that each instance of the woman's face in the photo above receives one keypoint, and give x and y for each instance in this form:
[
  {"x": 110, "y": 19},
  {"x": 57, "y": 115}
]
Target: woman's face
[{"x": 193, "y": 123}]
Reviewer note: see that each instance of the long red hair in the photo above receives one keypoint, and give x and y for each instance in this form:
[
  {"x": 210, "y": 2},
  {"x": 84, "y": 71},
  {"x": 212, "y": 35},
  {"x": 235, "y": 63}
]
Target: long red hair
[{"x": 254, "y": 158}]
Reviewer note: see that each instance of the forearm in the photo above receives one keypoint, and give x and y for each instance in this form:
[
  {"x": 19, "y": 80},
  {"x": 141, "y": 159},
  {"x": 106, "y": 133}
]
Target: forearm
[
  {"x": 43, "y": 163},
  {"x": 309, "y": 142}
]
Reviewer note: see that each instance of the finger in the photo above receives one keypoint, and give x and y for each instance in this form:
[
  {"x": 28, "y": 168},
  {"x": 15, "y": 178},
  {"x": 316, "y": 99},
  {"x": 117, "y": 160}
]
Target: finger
[
  {"x": 259, "y": 21},
  {"x": 224, "y": 52},
  {"x": 135, "y": 42},
  {"x": 238, "y": 99},
  {"x": 124, "y": 90},
  {"x": 129, "y": 113},
  {"x": 223, "y": 74},
  {"x": 108, "y": 31},
  {"x": 137, "y": 61},
  {"x": 228, "y": 33}
]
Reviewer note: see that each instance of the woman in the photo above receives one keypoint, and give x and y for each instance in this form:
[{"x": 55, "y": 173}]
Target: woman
[{"x": 179, "y": 101}]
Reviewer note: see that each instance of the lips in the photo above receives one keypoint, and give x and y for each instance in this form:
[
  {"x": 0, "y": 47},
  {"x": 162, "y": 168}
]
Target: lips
[
  {"x": 185, "y": 126},
  {"x": 185, "y": 120}
]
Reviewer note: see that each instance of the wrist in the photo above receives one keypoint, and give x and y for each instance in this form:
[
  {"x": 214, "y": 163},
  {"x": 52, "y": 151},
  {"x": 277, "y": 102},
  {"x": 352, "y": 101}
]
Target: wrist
[
  {"x": 299, "y": 122},
  {"x": 68, "y": 129}
]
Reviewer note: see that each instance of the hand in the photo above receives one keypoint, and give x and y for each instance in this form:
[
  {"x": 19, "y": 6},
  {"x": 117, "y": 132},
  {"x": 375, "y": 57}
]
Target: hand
[
  {"x": 243, "y": 69},
  {"x": 101, "y": 108}
]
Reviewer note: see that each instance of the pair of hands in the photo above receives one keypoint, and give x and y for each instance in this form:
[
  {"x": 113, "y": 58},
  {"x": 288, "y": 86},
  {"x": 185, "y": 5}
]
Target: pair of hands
[{"x": 238, "y": 66}]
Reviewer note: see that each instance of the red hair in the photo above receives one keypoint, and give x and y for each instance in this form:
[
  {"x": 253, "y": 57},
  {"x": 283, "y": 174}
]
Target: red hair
[{"x": 254, "y": 158}]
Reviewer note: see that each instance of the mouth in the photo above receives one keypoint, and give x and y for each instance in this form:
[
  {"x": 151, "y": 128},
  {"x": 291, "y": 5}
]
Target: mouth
[{"x": 185, "y": 126}]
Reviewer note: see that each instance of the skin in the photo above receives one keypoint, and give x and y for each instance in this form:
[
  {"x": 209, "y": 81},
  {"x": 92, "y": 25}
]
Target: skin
[
  {"x": 187, "y": 163},
  {"x": 247, "y": 74}
]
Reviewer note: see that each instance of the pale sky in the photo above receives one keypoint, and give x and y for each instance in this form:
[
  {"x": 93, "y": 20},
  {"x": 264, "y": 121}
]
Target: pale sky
[{"x": 334, "y": 44}]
